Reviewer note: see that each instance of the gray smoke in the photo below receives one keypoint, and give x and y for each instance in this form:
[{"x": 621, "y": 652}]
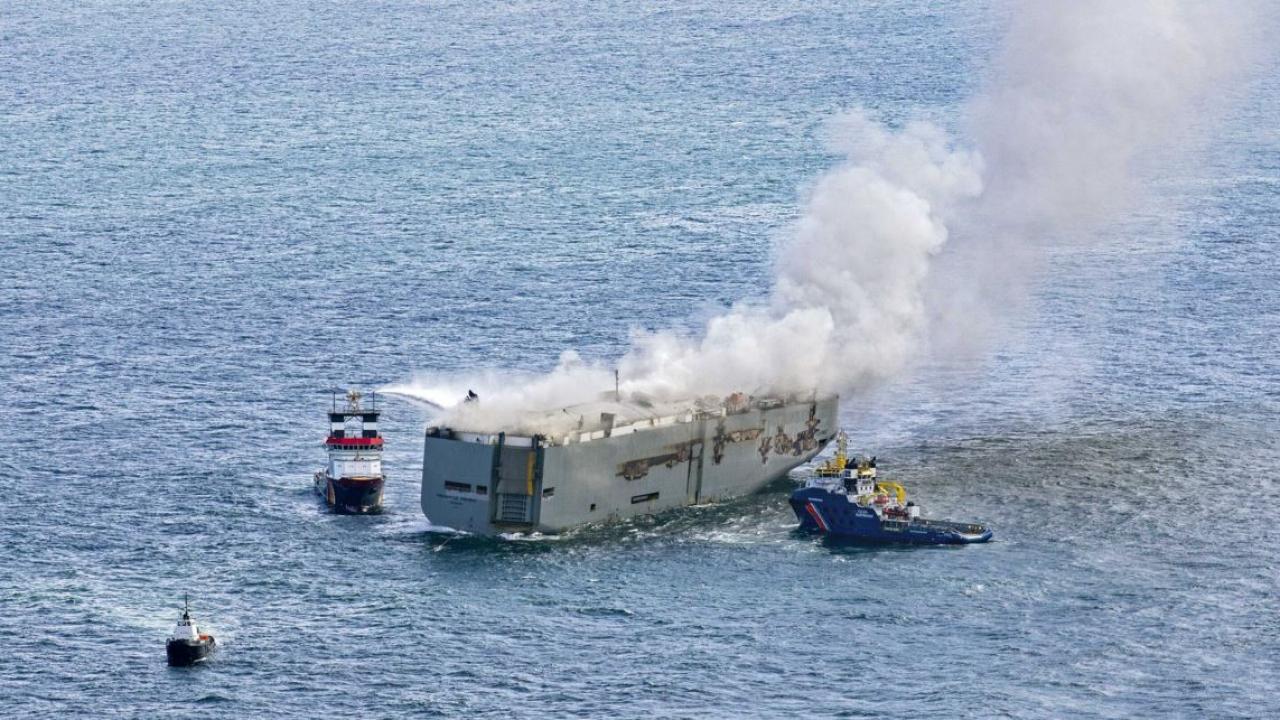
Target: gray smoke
[
  {"x": 1084, "y": 98},
  {"x": 1087, "y": 100}
]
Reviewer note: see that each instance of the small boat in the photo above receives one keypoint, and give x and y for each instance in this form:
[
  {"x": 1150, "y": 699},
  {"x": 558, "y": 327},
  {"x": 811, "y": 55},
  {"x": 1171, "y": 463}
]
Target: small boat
[
  {"x": 352, "y": 481},
  {"x": 844, "y": 499},
  {"x": 187, "y": 645}
]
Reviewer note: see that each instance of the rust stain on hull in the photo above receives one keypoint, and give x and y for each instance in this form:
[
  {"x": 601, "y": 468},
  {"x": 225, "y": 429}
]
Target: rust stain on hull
[{"x": 636, "y": 469}]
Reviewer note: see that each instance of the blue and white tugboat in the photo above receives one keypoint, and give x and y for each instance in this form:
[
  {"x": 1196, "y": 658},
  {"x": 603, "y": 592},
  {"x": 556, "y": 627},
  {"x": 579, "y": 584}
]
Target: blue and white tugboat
[
  {"x": 844, "y": 499},
  {"x": 187, "y": 645},
  {"x": 351, "y": 482}
]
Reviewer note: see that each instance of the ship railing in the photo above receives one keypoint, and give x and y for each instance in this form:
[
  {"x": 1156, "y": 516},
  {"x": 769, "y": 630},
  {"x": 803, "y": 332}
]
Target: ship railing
[
  {"x": 972, "y": 528},
  {"x": 572, "y": 436},
  {"x": 600, "y": 434}
]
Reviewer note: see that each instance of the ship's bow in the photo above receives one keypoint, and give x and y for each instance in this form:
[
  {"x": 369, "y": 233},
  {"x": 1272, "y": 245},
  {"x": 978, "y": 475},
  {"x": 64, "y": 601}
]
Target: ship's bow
[{"x": 356, "y": 496}]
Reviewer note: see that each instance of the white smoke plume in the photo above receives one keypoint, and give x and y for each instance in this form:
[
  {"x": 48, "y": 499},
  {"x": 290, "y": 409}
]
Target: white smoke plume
[
  {"x": 506, "y": 397},
  {"x": 1085, "y": 102},
  {"x": 1086, "y": 91},
  {"x": 1081, "y": 93},
  {"x": 852, "y": 267}
]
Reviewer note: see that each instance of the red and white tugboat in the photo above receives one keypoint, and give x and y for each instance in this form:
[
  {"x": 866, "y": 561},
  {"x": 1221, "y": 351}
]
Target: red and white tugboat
[{"x": 352, "y": 481}]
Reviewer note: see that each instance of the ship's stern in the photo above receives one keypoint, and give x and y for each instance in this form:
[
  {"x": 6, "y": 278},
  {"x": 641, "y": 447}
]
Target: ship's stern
[{"x": 483, "y": 483}]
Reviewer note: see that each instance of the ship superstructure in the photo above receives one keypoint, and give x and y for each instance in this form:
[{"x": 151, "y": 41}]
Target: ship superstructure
[
  {"x": 614, "y": 459},
  {"x": 352, "y": 480}
]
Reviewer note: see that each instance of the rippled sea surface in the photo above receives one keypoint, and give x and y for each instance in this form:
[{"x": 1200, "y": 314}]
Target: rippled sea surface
[{"x": 210, "y": 213}]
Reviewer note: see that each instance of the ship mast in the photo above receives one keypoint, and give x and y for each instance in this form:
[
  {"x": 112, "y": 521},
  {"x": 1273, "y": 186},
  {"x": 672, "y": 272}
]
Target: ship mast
[{"x": 842, "y": 450}]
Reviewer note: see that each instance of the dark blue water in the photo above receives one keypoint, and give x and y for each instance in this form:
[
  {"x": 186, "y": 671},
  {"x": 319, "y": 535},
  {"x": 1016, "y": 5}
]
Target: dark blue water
[{"x": 210, "y": 213}]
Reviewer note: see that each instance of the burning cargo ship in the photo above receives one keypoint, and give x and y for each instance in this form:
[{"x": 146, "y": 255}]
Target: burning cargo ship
[{"x": 613, "y": 459}]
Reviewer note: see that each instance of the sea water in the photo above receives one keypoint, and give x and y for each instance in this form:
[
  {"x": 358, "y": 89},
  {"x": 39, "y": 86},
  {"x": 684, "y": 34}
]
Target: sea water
[{"x": 212, "y": 213}]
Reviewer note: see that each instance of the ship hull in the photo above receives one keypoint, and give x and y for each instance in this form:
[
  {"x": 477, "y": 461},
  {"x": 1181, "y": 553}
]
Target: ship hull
[
  {"x": 494, "y": 484},
  {"x": 184, "y": 653},
  {"x": 834, "y": 515},
  {"x": 351, "y": 496}
]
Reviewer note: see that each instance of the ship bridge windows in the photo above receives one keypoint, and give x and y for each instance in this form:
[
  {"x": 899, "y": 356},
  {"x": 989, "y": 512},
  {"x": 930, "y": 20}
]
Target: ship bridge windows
[{"x": 355, "y": 468}]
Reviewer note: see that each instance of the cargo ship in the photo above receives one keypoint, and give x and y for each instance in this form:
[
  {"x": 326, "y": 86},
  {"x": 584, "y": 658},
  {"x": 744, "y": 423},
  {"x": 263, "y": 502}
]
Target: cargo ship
[
  {"x": 351, "y": 482},
  {"x": 614, "y": 459}
]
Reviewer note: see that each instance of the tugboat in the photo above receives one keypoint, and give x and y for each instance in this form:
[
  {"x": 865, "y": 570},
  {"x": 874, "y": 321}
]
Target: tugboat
[
  {"x": 187, "y": 645},
  {"x": 844, "y": 499},
  {"x": 352, "y": 481}
]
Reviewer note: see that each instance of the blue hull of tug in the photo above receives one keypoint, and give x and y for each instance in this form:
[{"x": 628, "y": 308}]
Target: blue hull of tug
[{"x": 832, "y": 513}]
